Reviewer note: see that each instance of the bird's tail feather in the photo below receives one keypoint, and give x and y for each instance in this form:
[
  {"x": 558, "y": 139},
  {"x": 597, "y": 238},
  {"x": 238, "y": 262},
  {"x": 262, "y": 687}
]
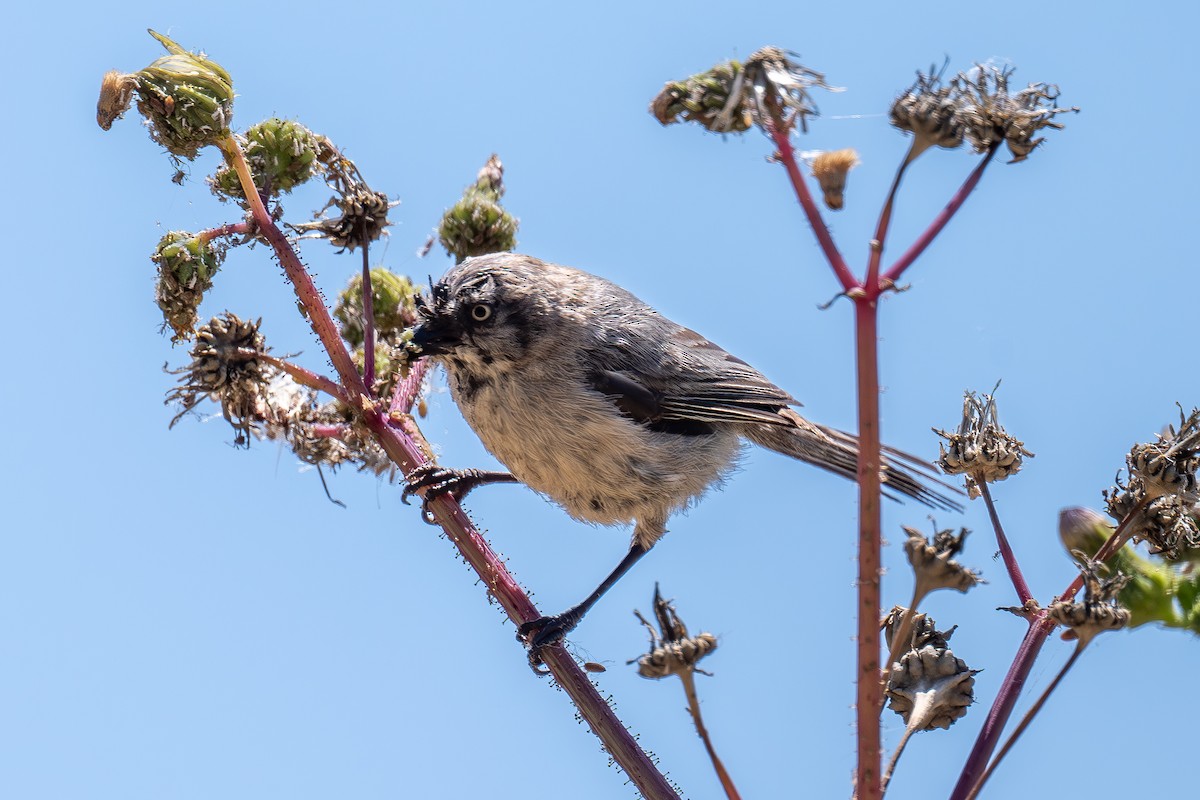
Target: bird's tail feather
[{"x": 837, "y": 452}]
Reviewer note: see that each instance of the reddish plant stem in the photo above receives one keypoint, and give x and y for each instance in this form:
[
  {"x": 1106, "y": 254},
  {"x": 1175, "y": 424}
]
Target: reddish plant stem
[
  {"x": 368, "y": 314},
  {"x": 407, "y": 454},
  {"x": 885, "y": 221},
  {"x": 328, "y": 431},
  {"x": 408, "y": 387},
  {"x": 1040, "y": 628},
  {"x": 1006, "y": 551},
  {"x": 787, "y": 157},
  {"x": 689, "y": 688},
  {"x": 303, "y": 376},
  {"x": 232, "y": 229},
  {"x": 869, "y": 700},
  {"x": 923, "y": 241},
  {"x": 1002, "y": 707}
]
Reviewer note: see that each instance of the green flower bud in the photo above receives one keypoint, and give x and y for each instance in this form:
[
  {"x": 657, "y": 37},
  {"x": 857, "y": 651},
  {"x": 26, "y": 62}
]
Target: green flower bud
[
  {"x": 394, "y": 299},
  {"x": 186, "y": 264},
  {"x": 187, "y": 99},
  {"x": 282, "y": 154},
  {"x": 477, "y": 224}
]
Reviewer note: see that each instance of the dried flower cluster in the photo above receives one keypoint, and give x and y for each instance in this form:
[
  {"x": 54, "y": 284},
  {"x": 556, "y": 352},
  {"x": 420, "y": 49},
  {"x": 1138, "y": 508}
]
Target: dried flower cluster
[
  {"x": 477, "y": 224},
  {"x": 771, "y": 89},
  {"x": 1162, "y": 490},
  {"x": 672, "y": 651},
  {"x": 928, "y": 686},
  {"x": 231, "y": 366},
  {"x": 978, "y": 107},
  {"x": 363, "y": 214},
  {"x": 187, "y": 99},
  {"x": 1098, "y": 611},
  {"x": 933, "y": 561},
  {"x": 980, "y": 449}
]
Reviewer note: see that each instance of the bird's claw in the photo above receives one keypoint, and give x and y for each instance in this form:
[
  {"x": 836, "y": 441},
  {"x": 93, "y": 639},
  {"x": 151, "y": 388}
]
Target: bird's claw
[
  {"x": 437, "y": 481},
  {"x": 545, "y": 632}
]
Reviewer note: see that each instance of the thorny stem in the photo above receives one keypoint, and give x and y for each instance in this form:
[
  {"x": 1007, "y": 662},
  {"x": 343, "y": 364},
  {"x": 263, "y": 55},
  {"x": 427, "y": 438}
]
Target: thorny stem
[
  {"x": 302, "y": 376},
  {"x": 689, "y": 688},
  {"x": 368, "y": 312},
  {"x": 1006, "y": 552},
  {"x": 1027, "y": 719},
  {"x": 869, "y": 700},
  {"x": 778, "y": 132},
  {"x": 1040, "y": 628},
  {"x": 407, "y": 454},
  {"x": 892, "y": 275},
  {"x": 231, "y": 229},
  {"x": 408, "y": 387}
]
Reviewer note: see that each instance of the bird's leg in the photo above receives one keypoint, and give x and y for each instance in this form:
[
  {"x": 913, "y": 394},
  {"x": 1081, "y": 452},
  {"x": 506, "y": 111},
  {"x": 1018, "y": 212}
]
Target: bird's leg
[
  {"x": 437, "y": 481},
  {"x": 550, "y": 630}
]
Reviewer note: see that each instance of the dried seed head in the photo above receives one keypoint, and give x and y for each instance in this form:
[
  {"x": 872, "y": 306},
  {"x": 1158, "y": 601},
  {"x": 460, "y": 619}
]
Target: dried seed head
[
  {"x": 394, "y": 305},
  {"x": 830, "y": 169},
  {"x": 477, "y": 224},
  {"x": 922, "y": 630},
  {"x": 771, "y": 88},
  {"x": 933, "y": 564},
  {"x": 364, "y": 213},
  {"x": 187, "y": 100},
  {"x": 929, "y": 111},
  {"x": 981, "y": 449},
  {"x": 715, "y": 100},
  {"x": 930, "y": 688},
  {"x": 1098, "y": 612},
  {"x": 1150, "y": 592},
  {"x": 989, "y": 113},
  {"x": 1168, "y": 466},
  {"x": 226, "y": 368},
  {"x": 116, "y": 94},
  {"x": 1167, "y": 522},
  {"x": 186, "y": 265},
  {"x": 672, "y": 652},
  {"x": 281, "y": 153}
]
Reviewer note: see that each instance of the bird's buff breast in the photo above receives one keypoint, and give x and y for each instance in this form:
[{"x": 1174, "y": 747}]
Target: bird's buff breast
[{"x": 571, "y": 444}]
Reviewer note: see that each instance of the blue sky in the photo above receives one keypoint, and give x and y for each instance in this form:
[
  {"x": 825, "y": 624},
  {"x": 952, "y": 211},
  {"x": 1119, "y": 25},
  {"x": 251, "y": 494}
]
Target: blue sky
[{"x": 183, "y": 619}]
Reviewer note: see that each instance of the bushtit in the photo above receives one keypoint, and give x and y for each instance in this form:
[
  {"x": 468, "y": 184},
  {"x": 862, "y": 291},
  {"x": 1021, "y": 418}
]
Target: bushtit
[{"x": 596, "y": 400}]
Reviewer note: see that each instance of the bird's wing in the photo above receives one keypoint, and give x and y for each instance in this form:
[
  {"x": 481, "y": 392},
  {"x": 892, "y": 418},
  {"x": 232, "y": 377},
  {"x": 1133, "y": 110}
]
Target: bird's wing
[{"x": 688, "y": 379}]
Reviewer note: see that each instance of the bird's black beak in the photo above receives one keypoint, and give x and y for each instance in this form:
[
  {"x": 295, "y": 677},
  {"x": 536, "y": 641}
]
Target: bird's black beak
[{"x": 435, "y": 336}]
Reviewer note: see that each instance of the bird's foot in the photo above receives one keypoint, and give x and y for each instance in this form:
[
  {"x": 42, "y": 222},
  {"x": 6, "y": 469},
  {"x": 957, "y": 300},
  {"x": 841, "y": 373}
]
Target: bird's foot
[
  {"x": 545, "y": 632},
  {"x": 437, "y": 481}
]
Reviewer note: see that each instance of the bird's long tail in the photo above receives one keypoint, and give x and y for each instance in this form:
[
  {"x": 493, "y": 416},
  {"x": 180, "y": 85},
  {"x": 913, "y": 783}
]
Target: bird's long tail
[{"x": 837, "y": 452}]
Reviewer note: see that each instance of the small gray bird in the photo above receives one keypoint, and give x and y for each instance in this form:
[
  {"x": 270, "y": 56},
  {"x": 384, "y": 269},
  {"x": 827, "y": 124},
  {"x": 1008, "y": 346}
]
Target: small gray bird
[{"x": 596, "y": 400}]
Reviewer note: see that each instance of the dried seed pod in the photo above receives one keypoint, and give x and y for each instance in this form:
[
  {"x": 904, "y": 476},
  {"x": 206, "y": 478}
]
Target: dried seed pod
[
  {"x": 981, "y": 449},
  {"x": 929, "y": 111},
  {"x": 933, "y": 564},
  {"x": 672, "y": 651},
  {"x": 1168, "y": 466},
  {"x": 1167, "y": 522},
  {"x": 225, "y": 368},
  {"x": 990, "y": 113},
  {"x": 1098, "y": 611},
  {"x": 930, "y": 688}
]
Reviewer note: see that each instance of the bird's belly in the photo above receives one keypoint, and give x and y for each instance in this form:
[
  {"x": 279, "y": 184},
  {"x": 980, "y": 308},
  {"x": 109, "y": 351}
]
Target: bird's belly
[{"x": 596, "y": 463}]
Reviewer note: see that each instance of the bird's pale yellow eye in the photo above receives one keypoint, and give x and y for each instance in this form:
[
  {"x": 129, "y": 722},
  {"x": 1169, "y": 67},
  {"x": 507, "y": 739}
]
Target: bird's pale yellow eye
[{"x": 481, "y": 312}]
